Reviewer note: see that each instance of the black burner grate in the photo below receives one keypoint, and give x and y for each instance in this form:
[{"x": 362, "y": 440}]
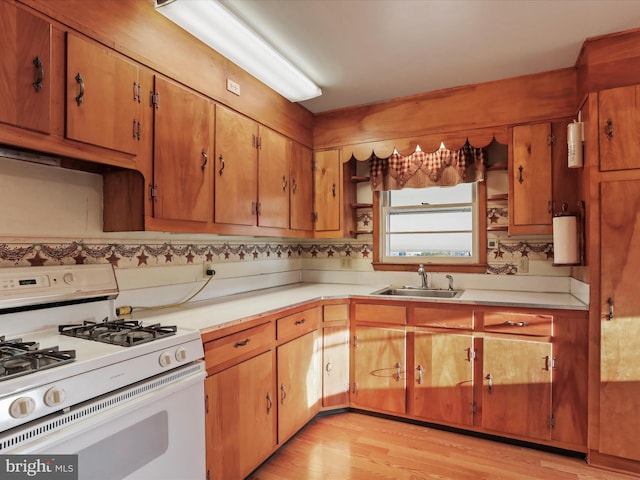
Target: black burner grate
[{"x": 121, "y": 332}]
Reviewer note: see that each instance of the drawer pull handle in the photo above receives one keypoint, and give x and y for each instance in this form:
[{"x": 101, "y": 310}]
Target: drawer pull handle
[
  {"x": 300, "y": 322},
  {"x": 243, "y": 343},
  {"x": 490, "y": 378},
  {"x": 509, "y": 323}
]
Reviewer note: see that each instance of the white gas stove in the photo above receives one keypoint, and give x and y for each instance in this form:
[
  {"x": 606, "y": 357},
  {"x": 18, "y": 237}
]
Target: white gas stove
[{"x": 54, "y": 386}]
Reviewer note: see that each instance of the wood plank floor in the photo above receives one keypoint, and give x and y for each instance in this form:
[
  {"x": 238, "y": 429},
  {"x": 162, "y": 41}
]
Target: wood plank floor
[{"x": 355, "y": 446}]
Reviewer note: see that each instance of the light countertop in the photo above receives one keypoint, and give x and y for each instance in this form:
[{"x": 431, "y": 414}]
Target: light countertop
[{"x": 225, "y": 311}]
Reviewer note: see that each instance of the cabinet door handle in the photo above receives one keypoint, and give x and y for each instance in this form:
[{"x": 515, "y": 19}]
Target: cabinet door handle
[
  {"x": 608, "y": 129},
  {"x": 205, "y": 158},
  {"x": 397, "y": 376},
  {"x": 549, "y": 363},
  {"x": 420, "y": 370},
  {"x": 80, "y": 96},
  {"x": 520, "y": 169},
  {"x": 221, "y": 164},
  {"x": 328, "y": 367},
  {"x": 294, "y": 185},
  {"x": 610, "y": 315},
  {"x": 243, "y": 343},
  {"x": 490, "y": 378},
  {"x": 283, "y": 393},
  {"x": 40, "y": 74},
  {"x": 269, "y": 403},
  {"x": 333, "y": 189},
  {"x": 284, "y": 183}
]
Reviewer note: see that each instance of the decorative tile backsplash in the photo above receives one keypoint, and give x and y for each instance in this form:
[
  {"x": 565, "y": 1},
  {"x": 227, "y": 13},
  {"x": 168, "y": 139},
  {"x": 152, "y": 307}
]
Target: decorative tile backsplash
[{"x": 502, "y": 259}]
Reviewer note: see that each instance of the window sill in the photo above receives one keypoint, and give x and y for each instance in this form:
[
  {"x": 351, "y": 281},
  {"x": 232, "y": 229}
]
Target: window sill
[{"x": 431, "y": 267}]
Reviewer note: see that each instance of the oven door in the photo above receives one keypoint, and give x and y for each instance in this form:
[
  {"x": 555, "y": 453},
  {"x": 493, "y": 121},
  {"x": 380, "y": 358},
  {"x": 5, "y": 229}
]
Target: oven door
[{"x": 153, "y": 430}]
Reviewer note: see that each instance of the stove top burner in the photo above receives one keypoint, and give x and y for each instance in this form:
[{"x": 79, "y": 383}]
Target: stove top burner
[
  {"x": 118, "y": 332},
  {"x": 21, "y": 358}
]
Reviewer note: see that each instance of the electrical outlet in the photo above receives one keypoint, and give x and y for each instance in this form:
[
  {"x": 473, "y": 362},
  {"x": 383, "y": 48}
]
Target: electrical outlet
[
  {"x": 233, "y": 87},
  {"x": 345, "y": 262},
  {"x": 207, "y": 270},
  {"x": 493, "y": 243},
  {"x": 523, "y": 264}
]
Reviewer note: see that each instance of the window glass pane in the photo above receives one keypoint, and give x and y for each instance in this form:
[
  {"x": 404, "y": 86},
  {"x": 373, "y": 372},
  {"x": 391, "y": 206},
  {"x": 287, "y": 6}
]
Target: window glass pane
[
  {"x": 461, "y": 193},
  {"x": 432, "y": 220},
  {"x": 430, "y": 245}
]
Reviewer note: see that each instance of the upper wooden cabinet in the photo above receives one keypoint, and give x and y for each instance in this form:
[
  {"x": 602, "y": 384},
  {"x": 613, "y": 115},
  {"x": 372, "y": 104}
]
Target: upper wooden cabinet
[
  {"x": 619, "y": 123},
  {"x": 25, "y": 69},
  {"x": 301, "y": 188},
  {"x": 332, "y": 199},
  {"x": 182, "y": 162},
  {"x": 273, "y": 179},
  {"x": 530, "y": 170},
  {"x": 102, "y": 97}
]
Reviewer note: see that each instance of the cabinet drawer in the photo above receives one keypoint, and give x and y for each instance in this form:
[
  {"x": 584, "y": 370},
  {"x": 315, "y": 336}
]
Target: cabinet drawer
[
  {"x": 298, "y": 323},
  {"x": 366, "y": 312},
  {"x": 438, "y": 317},
  {"x": 227, "y": 348},
  {"x": 517, "y": 323},
  {"x": 335, "y": 312}
]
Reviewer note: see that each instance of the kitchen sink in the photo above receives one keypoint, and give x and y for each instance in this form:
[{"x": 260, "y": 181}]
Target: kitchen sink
[{"x": 419, "y": 292}]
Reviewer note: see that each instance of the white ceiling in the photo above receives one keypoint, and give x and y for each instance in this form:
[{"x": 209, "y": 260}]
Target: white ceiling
[{"x": 366, "y": 51}]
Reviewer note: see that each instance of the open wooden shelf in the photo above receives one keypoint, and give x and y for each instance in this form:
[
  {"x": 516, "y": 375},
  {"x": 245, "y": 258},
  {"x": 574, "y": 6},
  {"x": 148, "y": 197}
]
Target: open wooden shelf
[
  {"x": 500, "y": 196},
  {"x": 498, "y": 228},
  {"x": 362, "y": 205},
  {"x": 497, "y": 166},
  {"x": 359, "y": 179}
]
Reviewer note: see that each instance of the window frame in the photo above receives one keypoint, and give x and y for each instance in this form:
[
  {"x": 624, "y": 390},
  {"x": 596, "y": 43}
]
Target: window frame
[{"x": 411, "y": 263}]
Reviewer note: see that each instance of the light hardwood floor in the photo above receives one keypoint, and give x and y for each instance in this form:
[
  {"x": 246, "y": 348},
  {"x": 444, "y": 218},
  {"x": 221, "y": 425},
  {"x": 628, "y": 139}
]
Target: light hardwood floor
[{"x": 350, "y": 446}]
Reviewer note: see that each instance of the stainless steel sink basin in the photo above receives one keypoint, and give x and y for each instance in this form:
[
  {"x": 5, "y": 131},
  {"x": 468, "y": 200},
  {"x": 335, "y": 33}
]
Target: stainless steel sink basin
[{"x": 419, "y": 292}]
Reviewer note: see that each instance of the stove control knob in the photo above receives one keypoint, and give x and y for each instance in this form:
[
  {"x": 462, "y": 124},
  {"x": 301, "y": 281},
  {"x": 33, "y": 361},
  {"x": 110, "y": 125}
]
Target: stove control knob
[
  {"x": 165, "y": 359},
  {"x": 69, "y": 278},
  {"x": 22, "y": 407},
  {"x": 54, "y": 396},
  {"x": 181, "y": 354}
]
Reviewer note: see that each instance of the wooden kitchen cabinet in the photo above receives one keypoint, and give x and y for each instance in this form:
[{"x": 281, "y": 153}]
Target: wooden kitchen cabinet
[
  {"x": 619, "y": 386},
  {"x": 530, "y": 177},
  {"x": 619, "y": 128},
  {"x": 443, "y": 376},
  {"x": 241, "y": 413},
  {"x": 335, "y": 355},
  {"x": 379, "y": 369},
  {"x": 273, "y": 179},
  {"x": 25, "y": 69},
  {"x": 102, "y": 97},
  {"x": 301, "y": 188},
  {"x": 182, "y": 164},
  {"x": 516, "y": 389},
  {"x": 299, "y": 383}
]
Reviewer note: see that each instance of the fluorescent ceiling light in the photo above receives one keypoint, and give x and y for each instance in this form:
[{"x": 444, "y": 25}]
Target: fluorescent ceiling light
[{"x": 214, "y": 25}]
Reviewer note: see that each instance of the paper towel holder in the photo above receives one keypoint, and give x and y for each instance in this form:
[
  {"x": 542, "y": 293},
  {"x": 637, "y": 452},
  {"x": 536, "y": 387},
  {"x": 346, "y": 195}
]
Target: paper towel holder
[{"x": 568, "y": 237}]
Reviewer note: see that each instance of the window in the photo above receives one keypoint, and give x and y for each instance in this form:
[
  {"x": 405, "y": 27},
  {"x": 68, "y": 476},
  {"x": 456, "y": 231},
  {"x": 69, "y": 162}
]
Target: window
[{"x": 430, "y": 225}]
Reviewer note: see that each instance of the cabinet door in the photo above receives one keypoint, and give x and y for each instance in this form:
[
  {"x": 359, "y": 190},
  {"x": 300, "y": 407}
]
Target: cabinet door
[
  {"x": 379, "y": 369},
  {"x": 102, "y": 96},
  {"x": 443, "y": 377},
  {"x": 273, "y": 180},
  {"x": 25, "y": 69},
  {"x": 299, "y": 383},
  {"x": 241, "y": 418},
  {"x": 236, "y": 168},
  {"x": 530, "y": 185},
  {"x": 335, "y": 366},
  {"x": 516, "y": 393},
  {"x": 182, "y": 164},
  {"x": 620, "y": 333},
  {"x": 327, "y": 199},
  {"x": 619, "y": 117},
  {"x": 301, "y": 191}
]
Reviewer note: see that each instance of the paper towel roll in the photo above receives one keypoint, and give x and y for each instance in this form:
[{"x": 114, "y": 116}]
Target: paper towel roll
[{"x": 565, "y": 240}]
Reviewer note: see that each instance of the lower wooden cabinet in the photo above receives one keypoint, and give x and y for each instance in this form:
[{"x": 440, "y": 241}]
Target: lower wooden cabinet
[
  {"x": 379, "y": 362},
  {"x": 299, "y": 383},
  {"x": 335, "y": 366},
  {"x": 443, "y": 377},
  {"x": 241, "y": 416}
]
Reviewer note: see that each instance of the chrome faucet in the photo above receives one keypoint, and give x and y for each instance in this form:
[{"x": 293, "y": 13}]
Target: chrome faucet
[
  {"x": 423, "y": 275},
  {"x": 450, "y": 278}
]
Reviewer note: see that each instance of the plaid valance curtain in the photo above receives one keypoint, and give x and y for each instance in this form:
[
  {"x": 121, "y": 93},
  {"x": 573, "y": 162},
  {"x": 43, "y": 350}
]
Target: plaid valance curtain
[{"x": 418, "y": 170}]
